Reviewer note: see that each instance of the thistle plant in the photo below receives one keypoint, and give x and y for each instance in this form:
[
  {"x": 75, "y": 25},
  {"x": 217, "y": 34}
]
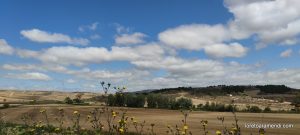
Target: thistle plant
[
  {"x": 95, "y": 119},
  {"x": 105, "y": 87},
  {"x": 204, "y": 125},
  {"x": 236, "y": 130},
  {"x": 76, "y": 120},
  {"x": 138, "y": 126},
  {"x": 60, "y": 118},
  {"x": 122, "y": 127}
]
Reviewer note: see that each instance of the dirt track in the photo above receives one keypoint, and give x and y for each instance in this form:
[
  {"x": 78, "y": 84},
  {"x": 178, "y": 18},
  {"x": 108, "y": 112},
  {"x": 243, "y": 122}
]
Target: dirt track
[{"x": 162, "y": 118}]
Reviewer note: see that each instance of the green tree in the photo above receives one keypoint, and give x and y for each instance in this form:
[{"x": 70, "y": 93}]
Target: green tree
[
  {"x": 134, "y": 100},
  {"x": 111, "y": 100},
  {"x": 68, "y": 100}
]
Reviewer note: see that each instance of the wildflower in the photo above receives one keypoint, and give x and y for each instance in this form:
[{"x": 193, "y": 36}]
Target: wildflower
[
  {"x": 183, "y": 133},
  {"x": 42, "y": 111},
  {"x": 75, "y": 112},
  {"x": 204, "y": 123},
  {"x": 234, "y": 129},
  {"x": 57, "y": 129},
  {"x": 169, "y": 126},
  {"x": 121, "y": 130},
  {"x": 218, "y": 132},
  {"x": 185, "y": 127},
  {"x": 32, "y": 130},
  {"x": 88, "y": 116},
  {"x": 114, "y": 114},
  {"x": 134, "y": 121}
]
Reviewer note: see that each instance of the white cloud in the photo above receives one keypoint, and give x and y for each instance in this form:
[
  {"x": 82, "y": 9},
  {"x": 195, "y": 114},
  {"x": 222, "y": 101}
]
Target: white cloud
[
  {"x": 79, "y": 56},
  {"x": 71, "y": 81},
  {"x": 18, "y": 67},
  {"x": 128, "y": 39},
  {"x": 207, "y": 37},
  {"x": 273, "y": 21},
  {"x": 29, "y": 76},
  {"x": 194, "y": 36},
  {"x": 5, "y": 48},
  {"x": 40, "y": 36},
  {"x": 91, "y": 27},
  {"x": 122, "y": 29},
  {"x": 24, "y": 53},
  {"x": 286, "y": 53},
  {"x": 223, "y": 50}
]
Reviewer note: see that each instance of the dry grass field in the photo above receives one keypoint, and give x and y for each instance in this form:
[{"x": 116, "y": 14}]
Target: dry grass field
[
  {"x": 25, "y": 96},
  {"x": 162, "y": 118}
]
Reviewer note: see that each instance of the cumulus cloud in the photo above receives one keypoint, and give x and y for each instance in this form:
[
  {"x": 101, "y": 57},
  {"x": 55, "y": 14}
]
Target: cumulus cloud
[
  {"x": 194, "y": 36},
  {"x": 286, "y": 53},
  {"x": 5, "y": 48},
  {"x": 128, "y": 39},
  {"x": 209, "y": 38},
  {"x": 223, "y": 50},
  {"x": 273, "y": 21},
  {"x": 40, "y": 36},
  {"x": 29, "y": 76},
  {"x": 79, "y": 56},
  {"x": 91, "y": 27}
]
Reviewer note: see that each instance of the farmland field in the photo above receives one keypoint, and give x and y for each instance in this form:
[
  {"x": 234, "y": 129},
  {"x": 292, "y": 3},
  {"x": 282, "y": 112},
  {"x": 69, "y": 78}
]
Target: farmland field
[{"x": 162, "y": 118}]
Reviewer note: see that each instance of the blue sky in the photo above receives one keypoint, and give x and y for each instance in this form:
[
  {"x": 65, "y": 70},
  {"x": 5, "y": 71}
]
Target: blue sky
[{"x": 73, "y": 45}]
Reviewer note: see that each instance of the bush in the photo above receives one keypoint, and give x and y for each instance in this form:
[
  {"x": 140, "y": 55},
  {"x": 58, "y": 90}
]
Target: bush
[
  {"x": 6, "y": 105},
  {"x": 183, "y": 103},
  {"x": 119, "y": 99},
  {"x": 267, "y": 109},
  {"x": 68, "y": 100},
  {"x": 134, "y": 100},
  {"x": 111, "y": 100},
  {"x": 296, "y": 100},
  {"x": 255, "y": 109}
]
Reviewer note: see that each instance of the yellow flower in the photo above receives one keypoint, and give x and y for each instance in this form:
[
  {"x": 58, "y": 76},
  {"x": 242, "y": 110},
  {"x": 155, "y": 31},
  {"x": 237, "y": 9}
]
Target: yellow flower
[
  {"x": 234, "y": 129},
  {"x": 88, "y": 116},
  {"x": 42, "y": 111},
  {"x": 183, "y": 133},
  {"x": 218, "y": 132},
  {"x": 134, "y": 121},
  {"x": 75, "y": 112},
  {"x": 185, "y": 127},
  {"x": 114, "y": 114},
  {"x": 57, "y": 129},
  {"x": 121, "y": 130}
]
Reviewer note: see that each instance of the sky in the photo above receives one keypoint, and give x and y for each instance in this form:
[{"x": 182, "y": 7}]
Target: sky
[{"x": 74, "y": 45}]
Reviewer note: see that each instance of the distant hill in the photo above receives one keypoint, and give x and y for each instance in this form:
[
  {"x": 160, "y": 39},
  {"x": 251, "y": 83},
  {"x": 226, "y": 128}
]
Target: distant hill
[{"x": 225, "y": 89}]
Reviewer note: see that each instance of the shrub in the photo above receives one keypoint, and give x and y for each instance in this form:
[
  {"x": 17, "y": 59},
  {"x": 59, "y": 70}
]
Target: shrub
[
  {"x": 134, "y": 100},
  {"x": 183, "y": 103},
  {"x": 5, "y": 105},
  {"x": 267, "y": 109},
  {"x": 255, "y": 109},
  {"x": 111, "y": 100},
  {"x": 119, "y": 99},
  {"x": 68, "y": 100}
]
